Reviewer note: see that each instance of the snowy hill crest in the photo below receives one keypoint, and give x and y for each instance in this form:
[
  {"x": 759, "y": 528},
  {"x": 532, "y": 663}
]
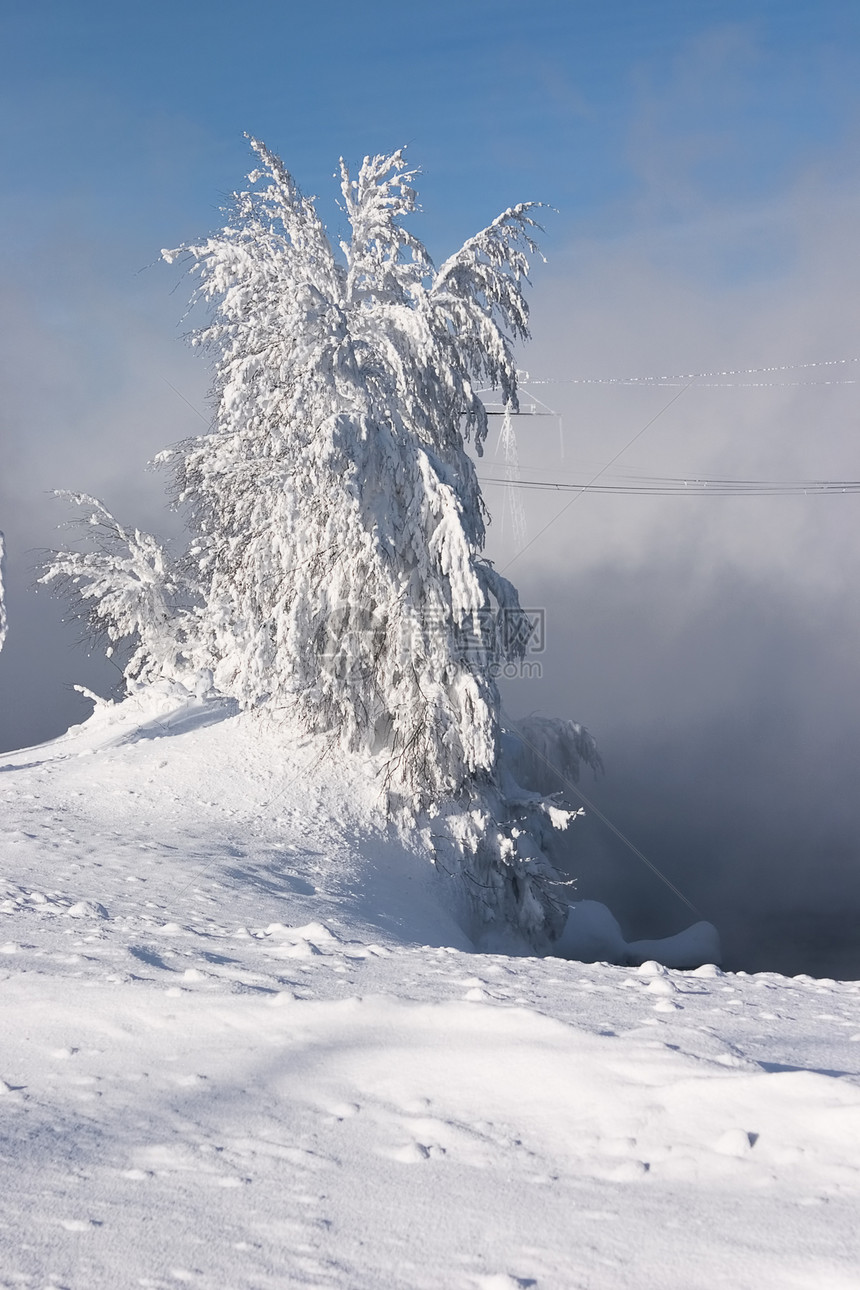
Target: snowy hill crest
[{"x": 247, "y": 1044}]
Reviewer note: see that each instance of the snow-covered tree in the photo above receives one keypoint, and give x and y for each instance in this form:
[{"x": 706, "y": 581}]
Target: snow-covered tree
[
  {"x": 335, "y": 569},
  {"x": 337, "y": 518}
]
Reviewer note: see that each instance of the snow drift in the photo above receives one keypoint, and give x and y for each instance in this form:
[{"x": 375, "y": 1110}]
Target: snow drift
[{"x": 245, "y": 1043}]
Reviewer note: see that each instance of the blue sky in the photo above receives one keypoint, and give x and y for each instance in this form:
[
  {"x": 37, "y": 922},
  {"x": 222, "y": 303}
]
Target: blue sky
[
  {"x": 127, "y": 121},
  {"x": 702, "y": 160}
]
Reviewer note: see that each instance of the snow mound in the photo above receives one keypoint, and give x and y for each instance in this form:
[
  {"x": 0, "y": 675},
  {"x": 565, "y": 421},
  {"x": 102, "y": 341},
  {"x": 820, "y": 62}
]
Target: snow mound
[
  {"x": 245, "y": 1044},
  {"x": 593, "y": 935}
]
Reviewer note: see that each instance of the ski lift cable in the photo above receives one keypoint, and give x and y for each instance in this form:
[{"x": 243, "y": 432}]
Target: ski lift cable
[
  {"x": 668, "y": 383},
  {"x": 693, "y": 487},
  {"x": 750, "y": 385},
  {"x": 678, "y": 378},
  {"x": 549, "y": 475},
  {"x": 541, "y": 476}
]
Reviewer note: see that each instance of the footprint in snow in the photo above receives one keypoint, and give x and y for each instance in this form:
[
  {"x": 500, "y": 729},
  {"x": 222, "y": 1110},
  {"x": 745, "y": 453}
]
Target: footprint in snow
[
  {"x": 343, "y": 1110},
  {"x": 736, "y": 1142},
  {"x": 413, "y": 1153},
  {"x": 503, "y": 1281},
  {"x": 628, "y": 1171}
]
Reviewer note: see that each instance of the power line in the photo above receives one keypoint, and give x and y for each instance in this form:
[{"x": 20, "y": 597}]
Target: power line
[
  {"x": 594, "y": 479},
  {"x": 718, "y": 376},
  {"x": 658, "y": 487}
]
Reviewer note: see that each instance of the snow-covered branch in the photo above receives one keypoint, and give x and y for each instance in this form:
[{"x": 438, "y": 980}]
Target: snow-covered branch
[{"x": 124, "y": 588}]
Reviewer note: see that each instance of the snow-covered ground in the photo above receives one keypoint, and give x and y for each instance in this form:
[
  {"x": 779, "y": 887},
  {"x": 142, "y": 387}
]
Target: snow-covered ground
[{"x": 244, "y": 1045}]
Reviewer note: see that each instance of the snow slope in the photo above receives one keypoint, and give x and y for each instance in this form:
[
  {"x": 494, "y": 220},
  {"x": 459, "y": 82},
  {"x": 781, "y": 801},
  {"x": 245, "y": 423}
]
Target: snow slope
[{"x": 244, "y": 1044}]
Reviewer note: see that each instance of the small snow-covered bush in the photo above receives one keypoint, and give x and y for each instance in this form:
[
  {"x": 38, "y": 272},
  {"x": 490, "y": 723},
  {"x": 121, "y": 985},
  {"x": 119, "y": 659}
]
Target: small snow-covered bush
[
  {"x": 124, "y": 588},
  {"x": 544, "y": 754}
]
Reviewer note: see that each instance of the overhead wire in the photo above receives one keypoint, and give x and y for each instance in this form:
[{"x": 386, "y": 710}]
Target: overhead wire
[
  {"x": 594, "y": 478},
  {"x": 667, "y": 487},
  {"x": 718, "y": 376}
]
